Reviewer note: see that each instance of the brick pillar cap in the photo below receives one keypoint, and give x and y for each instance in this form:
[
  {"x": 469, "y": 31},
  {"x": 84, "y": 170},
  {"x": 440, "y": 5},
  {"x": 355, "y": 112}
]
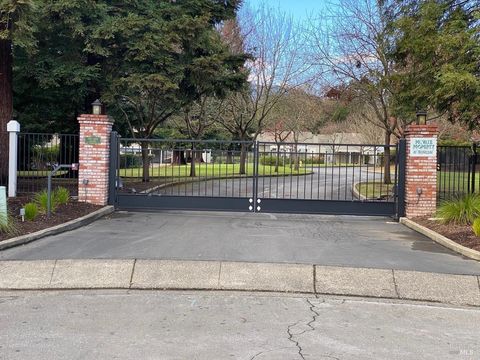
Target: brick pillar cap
[
  {"x": 418, "y": 129},
  {"x": 95, "y": 118}
]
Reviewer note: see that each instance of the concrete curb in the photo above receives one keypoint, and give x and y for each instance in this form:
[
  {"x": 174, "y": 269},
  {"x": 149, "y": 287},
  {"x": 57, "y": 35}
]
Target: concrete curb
[
  {"x": 239, "y": 276},
  {"x": 442, "y": 240},
  {"x": 70, "y": 225},
  {"x": 357, "y": 194},
  {"x": 184, "y": 182}
]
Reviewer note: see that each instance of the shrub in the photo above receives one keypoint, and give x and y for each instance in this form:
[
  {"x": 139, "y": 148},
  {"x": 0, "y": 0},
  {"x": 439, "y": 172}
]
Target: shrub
[
  {"x": 315, "y": 160},
  {"x": 44, "y": 156},
  {"x": 61, "y": 196},
  {"x": 41, "y": 199},
  {"x": 476, "y": 227},
  {"x": 271, "y": 160},
  {"x": 462, "y": 211},
  {"x": 31, "y": 211},
  {"x": 129, "y": 161},
  {"x": 7, "y": 225}
]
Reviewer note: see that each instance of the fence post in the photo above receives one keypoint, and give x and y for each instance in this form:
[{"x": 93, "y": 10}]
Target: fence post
[
  {"x": 94, "y": 158},
  {"x": 401, "y": 160},
  {"x": 113, "y": 170},
  {"x": 421, "y": 170},
  {"x": 13, "y": 128}
]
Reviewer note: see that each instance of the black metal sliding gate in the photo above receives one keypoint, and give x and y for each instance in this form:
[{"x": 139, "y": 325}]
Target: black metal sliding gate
[{"x": 156, "y": 174}]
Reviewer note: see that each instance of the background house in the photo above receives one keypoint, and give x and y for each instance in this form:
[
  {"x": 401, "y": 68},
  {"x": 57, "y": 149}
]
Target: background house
[{"x": 337, "y": 148}]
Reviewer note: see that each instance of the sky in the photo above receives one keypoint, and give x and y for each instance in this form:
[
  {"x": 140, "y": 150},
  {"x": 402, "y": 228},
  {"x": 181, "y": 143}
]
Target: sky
[{"x": 300, "y": 9}]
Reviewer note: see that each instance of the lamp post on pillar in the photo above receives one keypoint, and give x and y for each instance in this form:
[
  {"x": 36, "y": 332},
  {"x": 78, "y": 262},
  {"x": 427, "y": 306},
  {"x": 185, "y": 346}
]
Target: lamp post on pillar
[
  {"x": 13, "y": 128},
  {"x": 421, "y": 117}
]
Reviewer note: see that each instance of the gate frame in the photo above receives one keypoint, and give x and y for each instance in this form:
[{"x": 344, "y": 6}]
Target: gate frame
[{"x": 394, "y": 209}]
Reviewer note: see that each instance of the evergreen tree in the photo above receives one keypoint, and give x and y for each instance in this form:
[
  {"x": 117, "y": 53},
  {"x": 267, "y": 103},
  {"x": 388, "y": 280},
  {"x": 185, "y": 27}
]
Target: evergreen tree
[
  {"x": 15, "y": 28},
  {"x": 437, "y": 56}
]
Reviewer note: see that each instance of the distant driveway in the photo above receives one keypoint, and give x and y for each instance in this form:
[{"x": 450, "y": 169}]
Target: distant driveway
[
  {"x": 324, "y": 183},
  {"x": 308, "y": 239}
]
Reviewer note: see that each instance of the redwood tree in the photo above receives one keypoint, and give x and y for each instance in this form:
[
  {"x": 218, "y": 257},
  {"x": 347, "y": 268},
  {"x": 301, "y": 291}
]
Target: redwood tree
[
  {"x": 13, "y": 26},
  {"x": 6, "y": 103}
]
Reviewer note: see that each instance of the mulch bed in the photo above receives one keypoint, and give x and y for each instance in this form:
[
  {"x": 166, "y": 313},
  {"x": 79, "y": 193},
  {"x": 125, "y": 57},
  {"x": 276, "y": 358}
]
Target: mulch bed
[
  {"x": 461, "y": 234},
  {"x": 63, "y": 214}
]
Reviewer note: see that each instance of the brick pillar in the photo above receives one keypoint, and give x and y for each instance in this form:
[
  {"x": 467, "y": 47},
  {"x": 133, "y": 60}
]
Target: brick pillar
[
  {"x": 421, "y": 170},
  {"x": 94, "y": 158}
]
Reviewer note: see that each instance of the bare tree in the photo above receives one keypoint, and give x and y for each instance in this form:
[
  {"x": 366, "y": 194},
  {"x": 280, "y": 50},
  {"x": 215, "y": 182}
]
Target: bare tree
[
  {"x": 350, "y": 47},
  {"x": 195, "y": 120},
  {"x": 273, "y": 39}
]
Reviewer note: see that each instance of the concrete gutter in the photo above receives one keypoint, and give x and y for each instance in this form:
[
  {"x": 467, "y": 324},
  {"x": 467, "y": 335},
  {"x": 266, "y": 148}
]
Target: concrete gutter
[
  {"x": 442, "y": 240},
  {"x": 238, "y": 276},
  {"x": 70, "y": 225}
]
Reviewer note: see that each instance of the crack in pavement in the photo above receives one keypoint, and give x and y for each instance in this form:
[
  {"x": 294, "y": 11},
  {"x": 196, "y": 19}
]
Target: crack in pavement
[
  {"x": 295, "y": 337},
  {"x": 266, "y": 352},
  {"x": 290, "y": 338}
]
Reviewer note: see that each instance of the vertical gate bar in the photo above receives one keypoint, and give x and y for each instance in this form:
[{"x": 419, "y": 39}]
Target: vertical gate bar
[
  {"x": 312, "y": 175},
  {"x": 325, "y": 173},
  {"x": 377, "y": 156},
  {"x": 300, "y": 171},
  {"x": 353, "y": 168},
  {"x": 368, "y": 168},
  {"x": 246, "y": 172},
  {"x": 255, "y": 174},
  {"x": 401, "y": 159},
  {"x": 469, "y": 170},
  {"x": 333, "y": 174},
  {"x": 347, "y": 163},
  {"x": 395, "y": 179},
  {"x": 474, "y": 166},
  {"x": 318, "y": 169},
  {"x": 290, "y": 175},
  {"x": 283, "y": 177},
  {"x": 270, "y": 176},
  {"x": 297, "y": 163},
  {"x": 112, "y": 175}
]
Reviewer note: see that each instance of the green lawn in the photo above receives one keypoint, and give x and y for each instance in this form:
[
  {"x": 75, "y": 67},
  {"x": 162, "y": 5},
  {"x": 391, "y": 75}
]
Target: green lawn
[
  {"x": 375, "y": 190},
  {"x": 455, "y": 181},
  {"x": 210, "y": 171},
  {"x": 39, "y": 173}
]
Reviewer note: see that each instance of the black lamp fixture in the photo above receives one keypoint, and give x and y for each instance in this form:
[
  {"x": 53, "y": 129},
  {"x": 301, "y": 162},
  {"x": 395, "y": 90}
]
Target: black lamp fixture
[
  {"x": 421, "y": 117},
  {"x": 98, "y": 108}
]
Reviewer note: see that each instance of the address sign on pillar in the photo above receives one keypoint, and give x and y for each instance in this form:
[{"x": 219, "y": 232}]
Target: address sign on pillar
[{"x": 423, "y": 147}]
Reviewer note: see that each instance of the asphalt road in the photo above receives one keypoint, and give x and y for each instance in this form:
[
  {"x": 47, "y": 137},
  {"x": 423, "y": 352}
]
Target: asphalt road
[
  {"x": 306, "y": 239},
  {"x": 169, "y": 325},
  {"x": 326, "y": 183}
]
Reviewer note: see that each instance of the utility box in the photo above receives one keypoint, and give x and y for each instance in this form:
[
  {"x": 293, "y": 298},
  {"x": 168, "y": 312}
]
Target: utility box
[{"x": 3, "y": 206}]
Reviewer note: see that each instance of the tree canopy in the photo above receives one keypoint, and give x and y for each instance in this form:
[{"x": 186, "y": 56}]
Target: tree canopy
[
  {"x": 145, "y": 59},
  {"x": 437, "y": 59}
]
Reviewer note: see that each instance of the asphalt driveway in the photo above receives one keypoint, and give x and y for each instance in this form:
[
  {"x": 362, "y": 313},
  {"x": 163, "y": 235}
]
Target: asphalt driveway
[
  {"x": 306, "y": 239},
  {"x": 326, "y": 183}
]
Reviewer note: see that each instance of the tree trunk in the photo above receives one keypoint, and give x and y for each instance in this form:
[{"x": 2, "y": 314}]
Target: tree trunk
[
  {"x": 178, "y": 157},
  {"x": 6, "y": 104},
  {"x": 277, "y": 160},
  {"x": 229, "y": 159},
  {"x": 243, "y": 159},
  {"x": 193, "y": 161},
  {"x": 145, "y": 162},
  {"x": 387, "y": 178},
  {"x": 297, "y": 159}
]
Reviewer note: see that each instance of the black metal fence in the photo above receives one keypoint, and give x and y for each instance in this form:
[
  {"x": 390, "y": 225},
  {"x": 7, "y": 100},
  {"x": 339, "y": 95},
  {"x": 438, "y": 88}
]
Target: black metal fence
[
  {"x": 189, "y": 168},
  {"x": 207, "y": 168},
  {"x": 38, "y": 154},
  {"x": 457, "y": 171},
  {"x": 340, "y": 172}
]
